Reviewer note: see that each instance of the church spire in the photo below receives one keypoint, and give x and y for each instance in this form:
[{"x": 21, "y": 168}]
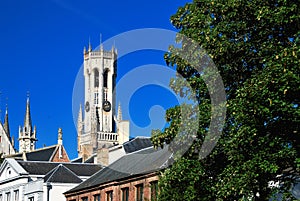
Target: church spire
[
  {"x": 27, "y": 119},
  {"x": 6, "y": 124},
  {"x": 27, "y": 134}
]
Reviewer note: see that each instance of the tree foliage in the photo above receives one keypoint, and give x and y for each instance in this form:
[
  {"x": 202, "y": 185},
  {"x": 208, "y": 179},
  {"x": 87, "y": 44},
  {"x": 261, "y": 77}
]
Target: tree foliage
[{"x": 255, "y": 46}]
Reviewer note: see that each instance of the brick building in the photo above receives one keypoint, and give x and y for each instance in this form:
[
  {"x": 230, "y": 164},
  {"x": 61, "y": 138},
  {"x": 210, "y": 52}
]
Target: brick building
[{"x": 132, "y": 177}]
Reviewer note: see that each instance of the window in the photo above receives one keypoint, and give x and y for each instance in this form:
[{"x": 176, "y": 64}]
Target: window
[
  {"x": 125, "y": 194},
  {"x": 16, "y": 195},
  {"x": 105, "y": 74},
  {"x": 154, "y": 190},
  {"x": 8, "y": 172},
  {"x": 8, "y": 196},
  {"x": 109, "y": 196},
  {"x": 140, "y": 192},
  {"x": 96, "y": 95},
  {"x": 97, "y": 197},
  {"x": 84, "y": 199},
  {"x": 31, "y": 199},
  {"x": 96, "y": 78}
]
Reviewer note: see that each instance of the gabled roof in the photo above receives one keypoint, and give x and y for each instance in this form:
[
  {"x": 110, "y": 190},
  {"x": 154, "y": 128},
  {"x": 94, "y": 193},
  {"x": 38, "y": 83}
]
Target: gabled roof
[
  {"x": 14, "y": 165},
  {"x": 42, "y": 154},
  {"x": 61, "y": 174},
  {"x": 136, "y": 144},
  {"x": 138, "y": 163},
  {"x": 42, "y": 168}
]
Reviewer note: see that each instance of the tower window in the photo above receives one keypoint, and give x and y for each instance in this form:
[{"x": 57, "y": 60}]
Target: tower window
[
  {"x": 96, "y": 95},
  {"x": 105, "y": 74},
  {"x": 96, "y": 78}
]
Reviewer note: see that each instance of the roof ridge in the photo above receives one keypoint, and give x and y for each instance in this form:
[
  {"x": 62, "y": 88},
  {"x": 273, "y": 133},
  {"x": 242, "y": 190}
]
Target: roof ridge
[
  {"x": 43, "y": 148},
  {"x": 134, "y": 152},
  {"x": 54, "y": 152},
  {"x": 70, "y": 170},
  {"x": 137, "y": 137},
  {"x": 53, "y": 171},
  {"x": 63, "y": 163}
]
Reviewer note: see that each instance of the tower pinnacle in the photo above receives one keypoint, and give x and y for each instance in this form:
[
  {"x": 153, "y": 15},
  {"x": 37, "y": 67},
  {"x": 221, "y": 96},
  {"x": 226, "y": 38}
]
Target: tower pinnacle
[
  {"x": 6, "y": 124},
  {"x": 119, "y": 112},
  {"x": 90, "y": 46},
  {"x": 27, "y": 118},
  {"x": 59, "y": 138}
]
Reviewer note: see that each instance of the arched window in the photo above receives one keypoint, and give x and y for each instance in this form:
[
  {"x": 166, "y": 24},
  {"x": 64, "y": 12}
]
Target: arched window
[
  {"x": 96, "y": 78},
  {"x": 105, "y": 78}
]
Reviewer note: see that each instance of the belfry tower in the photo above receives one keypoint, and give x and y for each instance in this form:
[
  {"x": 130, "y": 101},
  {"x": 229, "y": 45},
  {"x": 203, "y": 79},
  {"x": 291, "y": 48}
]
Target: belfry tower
[
  {"x": 97, "y": 125},
  {"x": 27, "y": 133}
]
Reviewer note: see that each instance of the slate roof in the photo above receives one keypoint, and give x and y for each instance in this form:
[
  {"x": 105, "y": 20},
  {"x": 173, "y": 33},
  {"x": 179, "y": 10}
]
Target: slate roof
[
  {"x": 131, "y": 146},
  {"x": 61, "y": 174},
  {"x": 136, "y": 144},
  {"x": 89, "y": 160},
  {"x": 43, "y": 168},
  {"x": 138, "y": 163},
  {"x": 77, "y": 160},
  {"x": 43, "y": 154}
]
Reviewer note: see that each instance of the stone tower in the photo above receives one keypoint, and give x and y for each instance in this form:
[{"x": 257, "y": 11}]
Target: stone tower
[
  {"x": 97, "y": 125},
  {"x": 27, "y": 134}
]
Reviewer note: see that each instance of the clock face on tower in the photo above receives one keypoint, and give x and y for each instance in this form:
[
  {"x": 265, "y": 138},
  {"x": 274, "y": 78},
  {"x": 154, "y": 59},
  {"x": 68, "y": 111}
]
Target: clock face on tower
[
  {"x": 87, "y": 106},
  {"x": 106, "y": 106}
]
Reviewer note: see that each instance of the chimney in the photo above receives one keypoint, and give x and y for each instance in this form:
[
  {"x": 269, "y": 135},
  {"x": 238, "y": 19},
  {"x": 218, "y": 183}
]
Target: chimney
[
  {"x": 102, "y": 156},
  {"x": 24, "y": 156}
]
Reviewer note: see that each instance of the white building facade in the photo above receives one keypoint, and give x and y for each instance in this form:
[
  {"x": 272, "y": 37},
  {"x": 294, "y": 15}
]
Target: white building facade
[{"x": 40, "y": 181}]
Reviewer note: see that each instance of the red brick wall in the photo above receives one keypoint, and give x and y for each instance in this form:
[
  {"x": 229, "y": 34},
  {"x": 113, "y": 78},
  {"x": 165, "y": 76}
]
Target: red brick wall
[
  {"x": 117, "y": 187},
  {"x": 64, "y": 158}
]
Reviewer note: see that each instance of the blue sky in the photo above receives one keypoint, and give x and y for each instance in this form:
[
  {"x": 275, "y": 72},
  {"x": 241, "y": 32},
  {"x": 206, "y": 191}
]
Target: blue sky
[{"x": 41, "y": 52}]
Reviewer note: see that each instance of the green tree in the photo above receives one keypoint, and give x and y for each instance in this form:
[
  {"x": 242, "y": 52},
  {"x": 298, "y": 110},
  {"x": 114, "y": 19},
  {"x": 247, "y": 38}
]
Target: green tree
[{"x": 255, "y": 46}]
